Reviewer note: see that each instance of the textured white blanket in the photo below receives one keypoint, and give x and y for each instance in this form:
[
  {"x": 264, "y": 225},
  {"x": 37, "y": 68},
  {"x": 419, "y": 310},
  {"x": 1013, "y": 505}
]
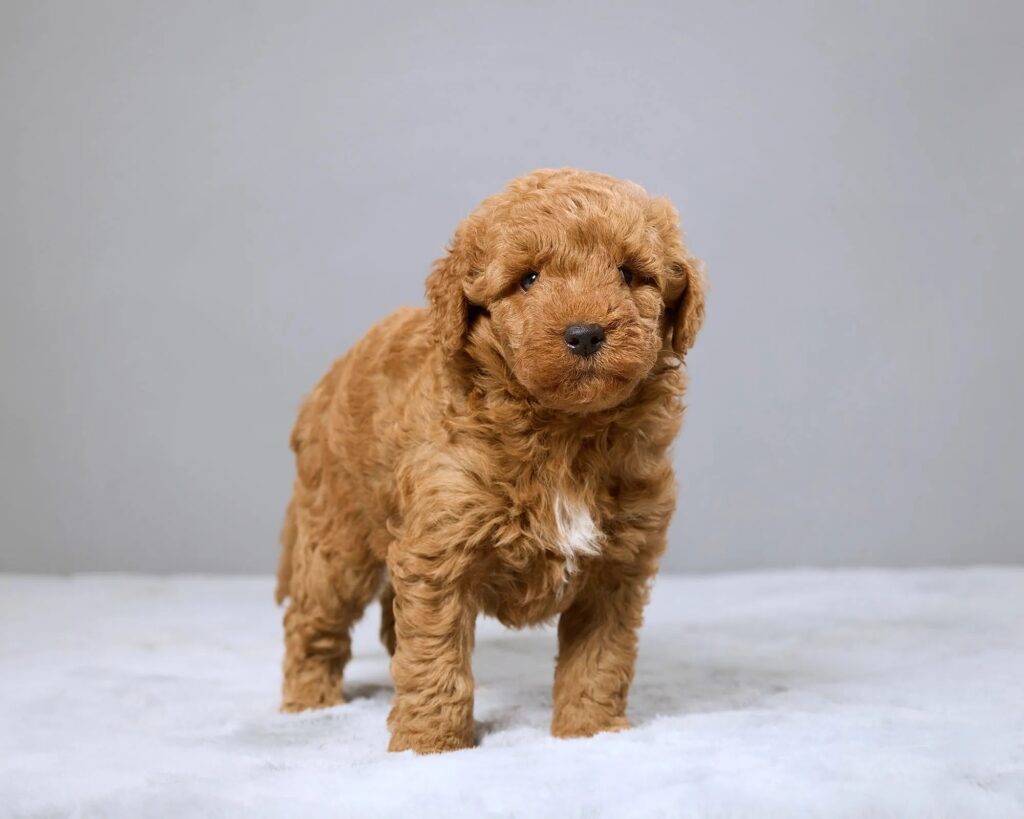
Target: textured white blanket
[{"x": 809, "y": 693}]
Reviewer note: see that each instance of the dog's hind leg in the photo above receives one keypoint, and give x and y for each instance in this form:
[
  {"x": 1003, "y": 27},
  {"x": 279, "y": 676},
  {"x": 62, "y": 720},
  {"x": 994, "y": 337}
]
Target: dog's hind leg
[
  {"x": 387, "y": 617},
  {"x": 333, "y": 576},
  {"x": 289, "y": 534}
]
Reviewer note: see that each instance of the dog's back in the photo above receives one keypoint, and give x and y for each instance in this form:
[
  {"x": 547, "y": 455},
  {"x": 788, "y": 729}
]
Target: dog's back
[{"x": 345, "y": 439}]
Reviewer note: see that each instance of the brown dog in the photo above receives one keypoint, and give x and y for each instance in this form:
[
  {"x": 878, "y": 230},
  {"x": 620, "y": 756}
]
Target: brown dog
[{"x": 503, "y": 451}]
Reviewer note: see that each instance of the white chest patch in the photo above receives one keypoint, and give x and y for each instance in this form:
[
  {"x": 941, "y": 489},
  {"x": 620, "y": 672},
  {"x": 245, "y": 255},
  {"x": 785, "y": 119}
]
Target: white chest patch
[{"x": 577, "y": 534}]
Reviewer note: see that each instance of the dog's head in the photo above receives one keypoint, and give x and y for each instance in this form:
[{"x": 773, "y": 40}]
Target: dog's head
[{"x": 575, "y": 283}]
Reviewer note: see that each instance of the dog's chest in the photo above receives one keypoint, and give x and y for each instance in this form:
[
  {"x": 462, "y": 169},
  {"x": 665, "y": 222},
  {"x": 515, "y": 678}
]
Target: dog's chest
[
  {"x": 576, "y": 534},
  {"x": 535, "y": 573}
]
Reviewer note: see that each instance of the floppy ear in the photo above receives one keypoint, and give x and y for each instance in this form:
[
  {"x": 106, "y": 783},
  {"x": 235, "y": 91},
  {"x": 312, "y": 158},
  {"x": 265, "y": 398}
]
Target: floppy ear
[
  {"x": 449, "y": 307},
  {"x": 685, "y": 280},
  {"x": 689, "y": 309}
]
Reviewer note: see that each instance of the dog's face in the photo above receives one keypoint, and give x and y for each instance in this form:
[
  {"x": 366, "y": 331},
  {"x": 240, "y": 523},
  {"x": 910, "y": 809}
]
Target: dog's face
[{"x": 573, "y": 282}]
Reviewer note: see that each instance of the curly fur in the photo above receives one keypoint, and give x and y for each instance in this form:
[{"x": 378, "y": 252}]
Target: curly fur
[{"x": 460, "y": 460}]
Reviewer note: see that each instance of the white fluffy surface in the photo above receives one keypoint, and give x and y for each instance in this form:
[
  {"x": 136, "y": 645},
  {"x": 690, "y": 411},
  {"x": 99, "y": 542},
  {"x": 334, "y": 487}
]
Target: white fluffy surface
[{"x": 845, "y": 693}]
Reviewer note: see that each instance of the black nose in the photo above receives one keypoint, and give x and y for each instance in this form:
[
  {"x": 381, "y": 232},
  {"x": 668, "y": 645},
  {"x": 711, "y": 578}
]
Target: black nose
[{"x": 584, "y": 339}]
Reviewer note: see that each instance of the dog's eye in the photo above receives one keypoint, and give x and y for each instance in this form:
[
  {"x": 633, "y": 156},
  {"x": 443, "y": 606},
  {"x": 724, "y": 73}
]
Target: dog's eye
[
  {"x": 528, "y": 280},
  {"x": 627, "y": 274}
]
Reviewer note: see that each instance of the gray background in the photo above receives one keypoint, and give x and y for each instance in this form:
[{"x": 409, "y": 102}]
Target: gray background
[{"x": 201, "y": 204}]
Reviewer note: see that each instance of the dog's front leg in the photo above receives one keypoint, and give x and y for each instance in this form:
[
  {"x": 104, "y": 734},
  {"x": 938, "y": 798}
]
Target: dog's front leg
[
  {"x": 597, "y": 643},
  {"x": 432, "y": 668}
]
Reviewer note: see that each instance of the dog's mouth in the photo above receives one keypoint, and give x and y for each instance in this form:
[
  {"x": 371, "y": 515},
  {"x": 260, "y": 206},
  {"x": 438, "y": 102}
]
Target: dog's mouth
[{"x": 586, "y": 387}]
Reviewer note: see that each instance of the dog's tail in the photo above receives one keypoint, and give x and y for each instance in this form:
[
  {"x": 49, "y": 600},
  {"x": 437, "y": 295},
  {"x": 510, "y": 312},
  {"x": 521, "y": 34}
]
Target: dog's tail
[{"x": 289, "y": 534}]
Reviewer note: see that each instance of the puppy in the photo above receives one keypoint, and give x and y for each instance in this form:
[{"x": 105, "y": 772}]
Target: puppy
[{"x": 503, "y": 451}]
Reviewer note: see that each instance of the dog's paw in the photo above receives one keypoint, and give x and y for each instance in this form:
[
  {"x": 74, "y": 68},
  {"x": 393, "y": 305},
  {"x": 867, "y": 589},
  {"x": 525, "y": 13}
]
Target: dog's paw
[
  {"x": 583, "y": 725},
  {"x": 434, "y": 743},
  {"x": 293, "y": 704}
]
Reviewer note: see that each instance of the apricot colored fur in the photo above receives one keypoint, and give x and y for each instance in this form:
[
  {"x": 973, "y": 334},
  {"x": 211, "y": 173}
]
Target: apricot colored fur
[{"x": 460, "y": 460}]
